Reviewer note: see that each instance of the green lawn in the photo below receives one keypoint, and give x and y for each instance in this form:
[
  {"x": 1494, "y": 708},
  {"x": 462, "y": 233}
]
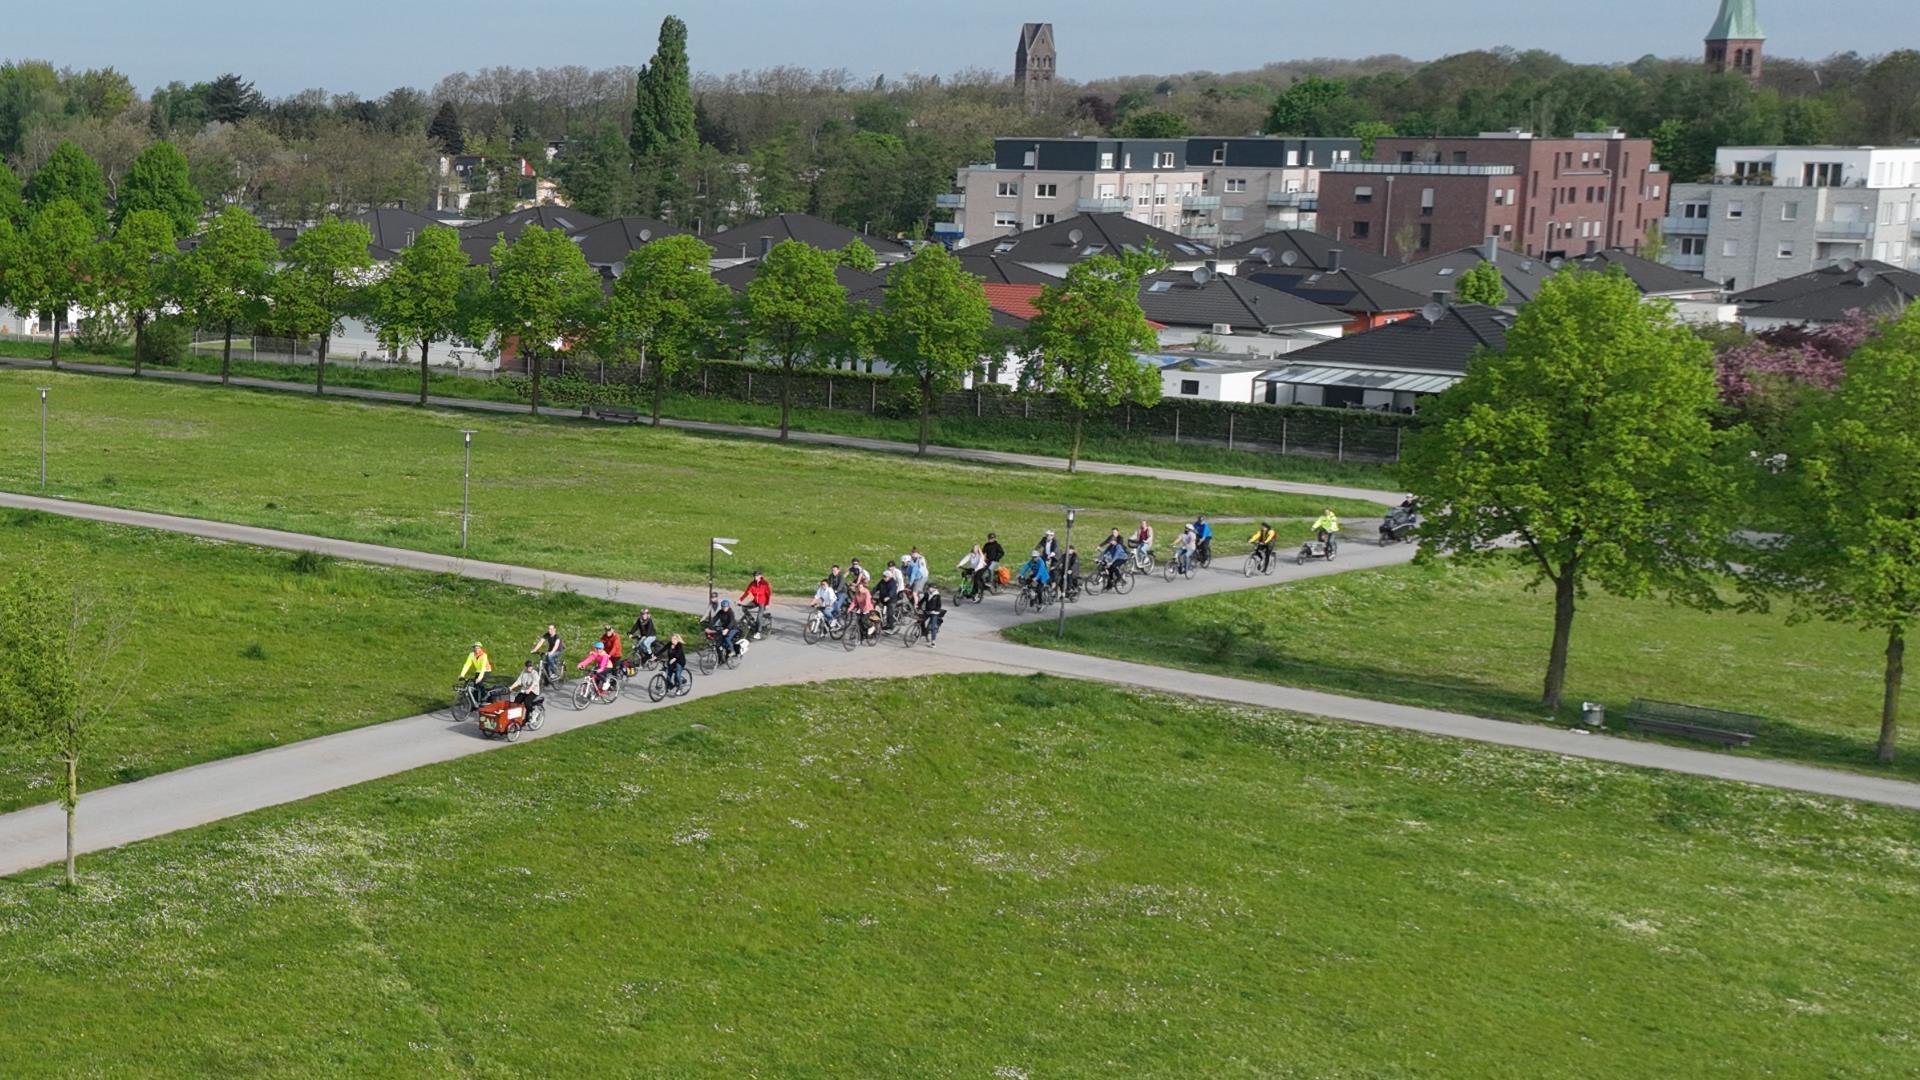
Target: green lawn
[
  {"x": 986, "y": 877},
  {"x": 562, "y": 495},
  {"x": 1474, "y": 640},
  {"x": 240, "y": 651}
]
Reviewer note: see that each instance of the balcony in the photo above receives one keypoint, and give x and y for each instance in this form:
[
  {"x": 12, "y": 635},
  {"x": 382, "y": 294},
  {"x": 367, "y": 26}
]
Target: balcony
[
  {"x": 950, "y": 200},
  {"x": 1684, "y": 226},
  {"x": 1305, "y": 200},
  {"x": 1695, "y": 264},
  {"x": 1200, "y": 229},
  {"x": 1103, "y": 206},
  {"x": 1843, "y": 230},
  {"x": 1194, "y": 204}
]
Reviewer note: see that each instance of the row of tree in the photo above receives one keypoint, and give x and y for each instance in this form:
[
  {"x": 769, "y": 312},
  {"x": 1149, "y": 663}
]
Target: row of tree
[{"x": 1599, "y": 449}]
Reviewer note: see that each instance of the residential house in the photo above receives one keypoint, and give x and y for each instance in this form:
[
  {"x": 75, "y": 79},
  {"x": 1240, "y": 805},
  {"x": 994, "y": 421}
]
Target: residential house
[
  {"x": 1301, "y": 249},
  {"x": 1053, "y": 249},
  {"x": 1229, "y": 315},
  {"x": 1437, "y": 276},
  {"x": 1368, "y": 302},
  {"x": 607, "y": 245},
  {"x": 1693, "y": 297},
  {"x": 1210, "y": 377},
  {"x": 1394, "y": 367},
  {"x": 754, "y": 239},
  {"x": 478, "y": 240},
  {"x": 393, "y": 230},
  {"x": 1828, "y": 295}
]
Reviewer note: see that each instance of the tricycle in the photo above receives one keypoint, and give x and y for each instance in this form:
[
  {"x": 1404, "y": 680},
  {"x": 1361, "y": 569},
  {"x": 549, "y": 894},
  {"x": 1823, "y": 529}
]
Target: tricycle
[{"x": 507, "y": 718}]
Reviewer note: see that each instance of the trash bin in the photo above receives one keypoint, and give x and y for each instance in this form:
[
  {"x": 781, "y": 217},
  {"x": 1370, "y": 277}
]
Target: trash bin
[{"x": 1593, "y": 714}]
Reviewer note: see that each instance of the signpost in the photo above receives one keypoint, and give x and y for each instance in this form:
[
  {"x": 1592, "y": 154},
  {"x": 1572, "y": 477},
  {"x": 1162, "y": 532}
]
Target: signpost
[
  {"x": 43, "y": 437},
  {"x": 466, "y": 485},
  {"x": 717, "y": 544},
  {"x": 1072, "y": 512}
]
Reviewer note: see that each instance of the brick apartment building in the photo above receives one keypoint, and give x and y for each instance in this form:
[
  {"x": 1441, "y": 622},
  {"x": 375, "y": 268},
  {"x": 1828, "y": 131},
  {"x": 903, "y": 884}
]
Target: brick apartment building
[{"x": 1543, "y": 197}]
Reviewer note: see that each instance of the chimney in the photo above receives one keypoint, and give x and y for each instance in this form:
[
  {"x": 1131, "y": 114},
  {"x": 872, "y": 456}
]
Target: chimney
[
  {"x": 1492, "y": 249},
  {"x": 1333, "y": 260},
  {"x": 766, "y": 246},
  {"x": 1443, "y": 298},
  {"x": 1213, "y": 266}
]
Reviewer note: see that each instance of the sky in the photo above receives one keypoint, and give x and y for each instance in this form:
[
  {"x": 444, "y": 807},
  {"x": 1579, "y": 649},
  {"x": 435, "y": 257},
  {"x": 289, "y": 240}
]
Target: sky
[{"x": 364, "y": 47}]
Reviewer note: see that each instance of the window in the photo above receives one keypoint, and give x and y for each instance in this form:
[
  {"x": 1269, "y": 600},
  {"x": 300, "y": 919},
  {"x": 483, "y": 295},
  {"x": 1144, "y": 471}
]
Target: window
[
  {"x": 1046, "y": 191},
  {"x": 1363, "y": 194},
  {"x": 1293, "y": 159},
  {"x": 1426, "y": 203},
  {"x": 1426, "y": 236},
  {"x": 1361, "y": 229},
  {"x": 1730, "y": 248},
  {"x": 1106, "y": 160},
  {"x": 1785, "y": 252},
  {"x": 1233, "y": 213},
  {"x": 1886, "y": 213},
  {"x": 1693, "y": 245},
  {"x": 1406, "y": 157},
  {"x": 1236, "y": 186},
  {"x": 1190, "y": 387},
  {"x": 1030, "y": 158},
  {"x": 1159, "y": 221},
  {"x": 1499, "y": 196},
  {"x": 1459, "y": 157},
  {"x": 1126, "y": 161},
  {"x": 1700, "y": 210},
  {"x": 1736, "y": 210},
  {"x": 1042, "y": 219},
  {"x": 1163, "y": 161},
  {"x": 1108, "y": 191},
  {"x": 1219, "y": 155},
  {"x": 1009, "y": 189},
  {"x": 1006, "y": 219}
]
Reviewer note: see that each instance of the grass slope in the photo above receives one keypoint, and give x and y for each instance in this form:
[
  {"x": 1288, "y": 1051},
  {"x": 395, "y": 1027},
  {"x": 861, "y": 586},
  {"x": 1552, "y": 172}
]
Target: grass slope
[
  {"x": 626, "y": 502},
  {"x": 1475, "y": 640},
  {"x": 240, "y": 651},
  {"x": 986, "y": 877}
]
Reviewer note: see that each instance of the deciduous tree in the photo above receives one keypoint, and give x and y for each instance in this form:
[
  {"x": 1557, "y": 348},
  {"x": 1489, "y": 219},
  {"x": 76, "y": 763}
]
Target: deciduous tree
[
  {"x": 665, "y": 310},
  {"x": 1584, "y": 451},
  {"x": 224, "y": 280},
  {"x": 159, "y": 179},
  {"x": 544, "y": 296},
  {"x": 934, "y": 325},
  {"x": 49, "y": 264},
  {"x": 71, "y": 175},
  {"x": 132, "y": 270},
  {"x": 325, "y": 270},
  {"x": 1087, "y": 339},
  {"x": 431, "y": 294},
  {"x": 1481, "y": 285},
  {"x": 794, "y": 307}
]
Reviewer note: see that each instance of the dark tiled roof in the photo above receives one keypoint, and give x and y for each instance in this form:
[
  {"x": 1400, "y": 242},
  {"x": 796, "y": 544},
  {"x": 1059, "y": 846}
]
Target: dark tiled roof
[
  {"x": 478, "y": 240},
  {"x": 1309, "y": 249},
  {"x": 744, "y": 241},
  {"x": 1416, "y": 344},
  {"x": 1873, "y": 291},
  {"x": 1811, "y": 282},
  {"x": 1348, "y": 290},
  {"x": 1083, "y": 236},
  {"x": 611, "y": 241},
  {"x": 393, "y": 230},
  {"x": 994, "y": 270},
  {"x": 1176, "y": 298},
  {"x": 873, "y": 295},
  {"x": 1523, "y": 274},
  {"x": 1651, "y": 278},
  {"x": 854, "y": 281}
]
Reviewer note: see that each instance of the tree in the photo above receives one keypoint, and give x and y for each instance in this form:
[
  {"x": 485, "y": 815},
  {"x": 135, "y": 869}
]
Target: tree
[
  {"x": 71, "y": 175},
  {"x": 597, "y": 171},
  {"x": 223, "y": 281},
  {"x": 544, "y": 294},
  {"x": 1314, "y": 106},
  {"x": 1370, "y": 132},
  {"x": 858, "y": 256},
  {"x": 1481, "y": 285},
  {"x": 324, "y": 271},
  {"x": 159, "y": 179},
  {"x": 231, "y": 99},
  {"x": 934, "y": 325},
  {"x": 1153, "y": 124},
  {"x": 663, "y": 97},
  {"x": 794, "y": 307},
  {"x": 48, "y": 266},
  {"x": 444, "y": 129},
  {"x": 132, "y": 268},
  {"x": 665, "y": 311},
  {"x": 1087, "y": 338},
  {"x": 429, "y": 295},
  {"x": 1588, "y": 444},
  {"x": 12, "y": 208},
  {"x": 54, "y": 686}
]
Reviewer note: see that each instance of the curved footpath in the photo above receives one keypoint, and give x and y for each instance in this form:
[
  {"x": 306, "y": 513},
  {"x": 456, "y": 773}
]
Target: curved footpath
[
  {"x": 885, "y": 446},
  {"x": 971, "y": 642}
]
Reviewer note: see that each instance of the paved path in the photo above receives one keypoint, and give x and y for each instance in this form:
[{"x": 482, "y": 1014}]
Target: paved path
[
  {"x": 971, "y": 642},
  {"x": 987, "y": 457}
]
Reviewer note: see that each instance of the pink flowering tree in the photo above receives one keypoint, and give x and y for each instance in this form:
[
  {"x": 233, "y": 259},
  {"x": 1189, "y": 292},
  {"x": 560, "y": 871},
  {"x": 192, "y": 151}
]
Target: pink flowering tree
[{"x": 1765, "y": 378}]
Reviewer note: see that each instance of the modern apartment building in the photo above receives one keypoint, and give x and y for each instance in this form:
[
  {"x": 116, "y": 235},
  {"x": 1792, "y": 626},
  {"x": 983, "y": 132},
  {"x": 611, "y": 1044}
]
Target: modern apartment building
[
  {"x": 1220, "y": 190},
  {"x": 1540, "y": 197},
  {"x": 1774, "y": 212}
]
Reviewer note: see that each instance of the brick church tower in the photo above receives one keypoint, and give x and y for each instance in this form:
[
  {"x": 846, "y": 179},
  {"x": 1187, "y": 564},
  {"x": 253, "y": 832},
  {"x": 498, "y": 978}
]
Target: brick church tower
[
  {"x": 1734, "y": 44},
  {"x": 1033, "y": 61}
]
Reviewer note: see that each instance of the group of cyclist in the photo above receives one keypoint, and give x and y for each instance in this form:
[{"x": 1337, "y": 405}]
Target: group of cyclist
[{"x": 904, "y": 586}]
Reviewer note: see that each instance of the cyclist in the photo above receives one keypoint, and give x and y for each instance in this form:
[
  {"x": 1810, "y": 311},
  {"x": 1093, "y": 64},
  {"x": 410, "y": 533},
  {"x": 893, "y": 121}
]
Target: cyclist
[
  {"x": 1203, "y": 539},
  {"x": 610, "y": 640},
  {"x": 643, "y": 632},
  {"x": 858, "y": 574},
  {"x": 826, "y": 600},
  {"x": 892, "y": 583},
  {"x": 1113, "y": 555},
  {"x": 726, "y": 630},
  {"x": 549, "y": 648},
  {"x": 1327, "y": 529},
  {"x": 479, "y": 665},
  {"x": 758, "y": 598},
  {"x": 835, "y": 579},
  {"x": 1263, "y": 539},
  {"x": 993, "y": 551},
  {"x": 1143, "y": 538},
  {"x": 974, "y": 567},
  {"x": 527, "y": 686},
  {"x": 1070, "y": 571},
  {"x": 860, "y": 605},
  {"x": 1049, "y": 547},
  {"x": 932, "y": 612},
  {"x": 916, "y": 572},
  {"x": 1183, "y": 549},
  {"x": 1036, "y": 576},
  {"x": 677, "y": 661},
  {"x": 598, "y": 666}
]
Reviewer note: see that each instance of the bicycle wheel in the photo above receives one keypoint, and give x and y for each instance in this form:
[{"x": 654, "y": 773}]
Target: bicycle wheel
[
  {"x": 813, "y": 631},
  {"x": 657, "y": 688},
  {"x": 914, "y": 634},
  {"x": 583, "y": 693},
  {"x": 1146, "y": 563},
  {"x": 1253, "y": 565},
  {"x": 850, "y": 636},
  {"x": 462, "y": 709},
  {"x": 706, "y": 661},
  {"x": 1124, "y": 583},
  {"x": 686, "y": 685},
  {"x": 1021, "y": 603},
  {"x": 536, "y": 717},
  {"x": 729, "y": 660}
]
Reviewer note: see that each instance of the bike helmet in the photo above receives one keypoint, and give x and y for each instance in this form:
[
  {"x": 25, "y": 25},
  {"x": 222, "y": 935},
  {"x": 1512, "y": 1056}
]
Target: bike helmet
[
  {"x": 726, "y": 603},
  {"x": 478, "y": 646}
]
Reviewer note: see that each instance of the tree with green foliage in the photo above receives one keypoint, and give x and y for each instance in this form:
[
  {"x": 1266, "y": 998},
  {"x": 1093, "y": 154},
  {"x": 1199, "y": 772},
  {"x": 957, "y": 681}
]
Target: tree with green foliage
[
  {"x": 665, "y": 311},
  {"x": 1314, "y": 106},
  {"x": 794, "y": 307},
  {"x": 48, "y": 266},
  {"x": 1370, "y": 132},
  {"x": 159, "y": 179},
  {"x": 223, "y": 281},
  {"x": 13, "y": 209},
  {"x": 71, "y": 175},
  {"x": 1847, "y": 506},
  {"x": 934, "y": 326},
  {"x": 771, "y": 169},
  {"x": 1153, "y": 124},
  {"x": 1481, "y": 285},
  {"x": 444, "y": 130},
  {"x": 131, "y": 271},
  {"x": 663, "y": 97},
  {"x": 1086, "y": 342},
  {"x": 430, "y": 294},
  {"x": 543, "y": 293},
  {"x": 858, "y": 256},
  {"x": 1585, "y": 451},
  {"x": 323, "y": 273},
  {"x": 231, "y": 99},
  {"x": 597, "y": 172},
  {"x": 69, "y": 663}
]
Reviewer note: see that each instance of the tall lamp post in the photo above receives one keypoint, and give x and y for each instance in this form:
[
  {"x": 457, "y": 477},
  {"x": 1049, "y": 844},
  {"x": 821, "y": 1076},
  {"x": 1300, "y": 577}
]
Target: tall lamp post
[
  {"x": 43, "y": 437},
  {"x": 715, "y": 546},
  {"x": 466, "y": 483},
  {"x": 1072, "y": 512}
]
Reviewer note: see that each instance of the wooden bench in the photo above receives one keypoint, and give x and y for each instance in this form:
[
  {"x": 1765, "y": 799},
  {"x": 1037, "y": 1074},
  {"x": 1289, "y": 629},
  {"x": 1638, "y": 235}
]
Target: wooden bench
[
  {"x": 615, "y": 412},
  {"x": 1693, "y": 722}
]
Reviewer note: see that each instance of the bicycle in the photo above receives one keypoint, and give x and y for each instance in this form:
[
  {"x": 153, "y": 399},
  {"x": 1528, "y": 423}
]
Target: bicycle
[
  {"x": 820, "y": 626},
  {"x": 756, "y": 622},
  {"x": 916, "y": 632},
  {"x": 1177, "y": 567},
  {"x": 1140, "y": 557},
  {"x": 660, "y": 688},
  {"x": 467, "y": 700},
  {"x": 590, "y": 689},
  {"x": 1260, "y": 561},
  {"x": 714, "y": 655},
  {"x": 1033, "y": 597}
]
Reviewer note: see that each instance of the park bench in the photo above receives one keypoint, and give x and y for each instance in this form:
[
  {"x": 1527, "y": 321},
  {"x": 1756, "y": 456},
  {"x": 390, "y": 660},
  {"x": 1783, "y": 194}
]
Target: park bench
[
  {"x": 1693, "y": 722},
  {"x": 615, "y": 412}
]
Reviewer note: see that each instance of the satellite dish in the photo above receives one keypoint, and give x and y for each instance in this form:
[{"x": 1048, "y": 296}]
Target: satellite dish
[
  {"x": 1202, "y": 275},
  {"x": 646, "y": 235},
  {"x": 1266, "y": 257},
  {"x": 1432, "y": 313},
  {"x": 1289, "y": 258},
  {"x": 1556, "y": 263},
  {"x": 1075, "y": 236},
  {"x": 1865, "y": 275},
  {"x": 1847, "y": 266}
]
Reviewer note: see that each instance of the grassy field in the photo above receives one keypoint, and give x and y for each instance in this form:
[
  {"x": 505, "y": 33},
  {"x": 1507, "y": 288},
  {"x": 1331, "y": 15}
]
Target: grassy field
[
  {"x": 1019, "y": 436},
  {"x": 986, "y": 877},
  {"x": 1475, "y": 640},
  {"x": 631, "y": 502},
  {"x": 241, "y": 651}
]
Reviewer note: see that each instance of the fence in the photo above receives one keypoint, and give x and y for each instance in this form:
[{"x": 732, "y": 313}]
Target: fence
[{"x": 298, "y": 351}]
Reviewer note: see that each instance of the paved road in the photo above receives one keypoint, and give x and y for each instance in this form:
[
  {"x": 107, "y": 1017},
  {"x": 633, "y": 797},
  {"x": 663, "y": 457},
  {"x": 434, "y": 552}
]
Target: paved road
[
  {"x": 216, "y": 790},
  {"x": 989, "y": 457}
]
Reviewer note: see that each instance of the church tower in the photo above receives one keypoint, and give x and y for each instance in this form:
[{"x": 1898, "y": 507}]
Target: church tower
[
  {"x": 1033, "y": 61},
  {"x": 1735, "y": 42}
]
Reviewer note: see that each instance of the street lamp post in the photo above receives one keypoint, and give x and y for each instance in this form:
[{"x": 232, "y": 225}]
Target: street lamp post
[
  {"x": 43, "y": 437},
  {"x": 466, "y": 484},
  {"x": 1071, "y": 514}
]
